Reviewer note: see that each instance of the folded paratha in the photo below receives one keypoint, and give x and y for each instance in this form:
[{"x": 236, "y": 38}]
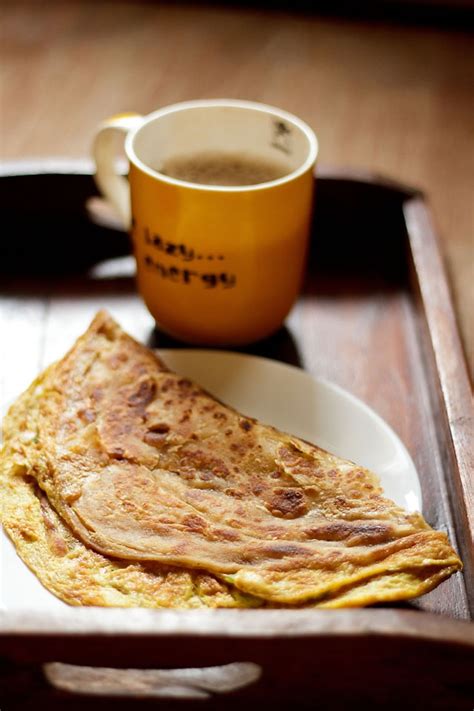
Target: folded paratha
[{"x": 142, "y": 466}]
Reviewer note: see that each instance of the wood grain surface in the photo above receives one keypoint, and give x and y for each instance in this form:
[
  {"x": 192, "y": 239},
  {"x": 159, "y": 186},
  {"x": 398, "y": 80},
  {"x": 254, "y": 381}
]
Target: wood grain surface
[{"x": 396, "y": 99}]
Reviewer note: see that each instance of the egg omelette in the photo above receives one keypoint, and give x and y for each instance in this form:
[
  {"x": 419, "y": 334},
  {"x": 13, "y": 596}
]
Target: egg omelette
[{"x": 126, "y": 484}]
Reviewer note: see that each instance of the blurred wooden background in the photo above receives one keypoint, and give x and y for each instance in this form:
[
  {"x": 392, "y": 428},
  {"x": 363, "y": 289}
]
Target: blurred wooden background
[{"x": 393, "y": 98}]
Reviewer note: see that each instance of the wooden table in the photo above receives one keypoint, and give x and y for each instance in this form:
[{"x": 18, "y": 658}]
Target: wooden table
[{"x": 397, "y": 100}]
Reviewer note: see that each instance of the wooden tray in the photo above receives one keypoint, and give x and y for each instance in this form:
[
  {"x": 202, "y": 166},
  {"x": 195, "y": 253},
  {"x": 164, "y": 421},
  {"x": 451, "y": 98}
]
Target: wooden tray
[{"x": 376, "y": 317}]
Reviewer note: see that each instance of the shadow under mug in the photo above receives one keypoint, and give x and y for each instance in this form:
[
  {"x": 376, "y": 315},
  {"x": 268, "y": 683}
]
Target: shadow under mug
[{"x": 216, "y": 265}]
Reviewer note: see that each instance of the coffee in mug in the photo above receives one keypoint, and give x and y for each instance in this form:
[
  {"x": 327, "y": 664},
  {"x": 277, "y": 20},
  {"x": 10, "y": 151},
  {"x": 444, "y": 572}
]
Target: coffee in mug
[{"x": 223, "y": 168}]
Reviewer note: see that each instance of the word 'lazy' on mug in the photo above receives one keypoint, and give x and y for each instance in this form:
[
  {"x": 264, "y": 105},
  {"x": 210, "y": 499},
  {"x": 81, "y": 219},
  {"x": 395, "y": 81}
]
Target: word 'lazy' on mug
[{"x": 217, "y": 263}]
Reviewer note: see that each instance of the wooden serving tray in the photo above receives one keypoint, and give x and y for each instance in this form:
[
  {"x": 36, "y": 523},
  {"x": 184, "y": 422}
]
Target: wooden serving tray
[{"x": 376, "y": 317}]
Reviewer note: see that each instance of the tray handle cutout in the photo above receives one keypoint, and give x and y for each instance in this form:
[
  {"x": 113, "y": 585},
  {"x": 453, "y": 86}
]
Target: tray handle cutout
[{"x": 196, "y": 683}]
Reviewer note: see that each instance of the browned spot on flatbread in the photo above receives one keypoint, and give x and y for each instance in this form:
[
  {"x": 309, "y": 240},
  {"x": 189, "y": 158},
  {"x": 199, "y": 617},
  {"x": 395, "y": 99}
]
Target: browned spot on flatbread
[
  {"x": 194, "y": 523},
  {"x": 144, "y": 394},
  {"x": 355, "y": 533},
  {"x": 287, "y": 503},
  {"x": 245, "y": 425}
]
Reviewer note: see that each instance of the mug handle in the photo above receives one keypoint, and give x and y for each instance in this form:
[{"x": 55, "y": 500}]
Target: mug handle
[{"x": 113, "y": 186}]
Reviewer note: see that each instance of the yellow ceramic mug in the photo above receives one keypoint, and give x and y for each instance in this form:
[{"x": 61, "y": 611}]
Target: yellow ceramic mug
[{"x": 215, "y": 264}]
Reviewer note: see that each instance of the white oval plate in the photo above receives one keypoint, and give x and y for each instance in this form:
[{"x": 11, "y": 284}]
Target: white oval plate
[{"x": 310, "y": 408}]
